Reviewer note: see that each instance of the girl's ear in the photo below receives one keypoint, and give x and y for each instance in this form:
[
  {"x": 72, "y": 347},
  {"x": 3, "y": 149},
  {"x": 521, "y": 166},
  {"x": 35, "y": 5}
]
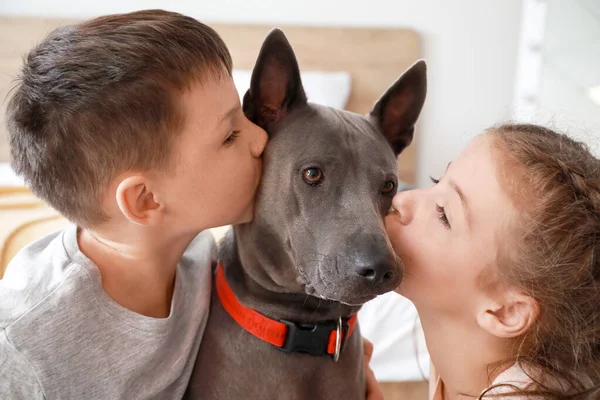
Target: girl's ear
[{"x": 511, "y": 317}]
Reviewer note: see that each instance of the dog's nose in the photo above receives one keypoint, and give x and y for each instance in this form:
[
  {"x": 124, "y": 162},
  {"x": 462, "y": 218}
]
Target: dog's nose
[{"x": 378, "y": 273}]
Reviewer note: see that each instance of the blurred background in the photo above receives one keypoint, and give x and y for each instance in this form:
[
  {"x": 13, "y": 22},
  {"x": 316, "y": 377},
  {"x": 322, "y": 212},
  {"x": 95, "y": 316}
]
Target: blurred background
[{"x": 488, "y": 61}]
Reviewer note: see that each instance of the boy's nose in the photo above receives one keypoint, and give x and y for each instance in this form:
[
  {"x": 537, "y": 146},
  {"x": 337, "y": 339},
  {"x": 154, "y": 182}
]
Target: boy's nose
[{"x": 259, "y": 142}]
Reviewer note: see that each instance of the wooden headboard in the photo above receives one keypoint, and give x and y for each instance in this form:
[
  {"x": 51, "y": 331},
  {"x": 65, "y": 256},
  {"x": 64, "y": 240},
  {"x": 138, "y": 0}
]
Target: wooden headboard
[{"x": 374, "y": 58}]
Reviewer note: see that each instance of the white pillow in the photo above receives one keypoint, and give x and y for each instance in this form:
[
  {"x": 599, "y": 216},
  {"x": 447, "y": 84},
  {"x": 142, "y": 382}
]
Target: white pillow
[
  {"x": 391, "y": 322},
  {"x": 8, "y": 176},
  {"x": 326, "y": 88}
]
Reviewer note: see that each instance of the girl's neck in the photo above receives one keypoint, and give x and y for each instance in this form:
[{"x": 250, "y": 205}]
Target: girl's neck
[{"x": 462, "y": 354}]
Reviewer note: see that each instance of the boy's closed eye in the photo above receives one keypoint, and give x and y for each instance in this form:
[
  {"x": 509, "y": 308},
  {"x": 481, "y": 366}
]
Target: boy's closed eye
[
  {"x": 231, "y": 138},
  {"x": 230, "y": 124}
]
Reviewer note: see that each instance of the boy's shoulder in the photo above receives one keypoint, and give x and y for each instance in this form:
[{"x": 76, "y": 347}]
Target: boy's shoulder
[
  {"x": 52, "y": 269},
  {"x": 202, "y": 249},
  {"x": 35, "y": 272},
  {"x": 57, "y": 324}
]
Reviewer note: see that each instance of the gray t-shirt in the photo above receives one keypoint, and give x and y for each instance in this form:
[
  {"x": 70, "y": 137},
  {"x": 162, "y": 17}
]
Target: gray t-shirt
[{"x": 62, "y": 337}]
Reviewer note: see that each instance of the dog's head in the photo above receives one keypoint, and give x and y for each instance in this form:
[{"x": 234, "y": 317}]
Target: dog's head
[{"x": 328, "y": 180}]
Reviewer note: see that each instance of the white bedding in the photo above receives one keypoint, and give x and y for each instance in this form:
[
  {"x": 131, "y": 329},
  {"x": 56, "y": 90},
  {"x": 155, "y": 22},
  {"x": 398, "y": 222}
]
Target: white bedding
[
  {"x": 322, "y": 87},
  {"x": 390, "y": 321}
]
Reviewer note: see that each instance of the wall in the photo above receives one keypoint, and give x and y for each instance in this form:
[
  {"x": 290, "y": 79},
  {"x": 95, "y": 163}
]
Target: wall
[
  {"x": 470, "y": 46},
  {"x": 559, "y": 64},
  {"x": 570, "y": 67}
]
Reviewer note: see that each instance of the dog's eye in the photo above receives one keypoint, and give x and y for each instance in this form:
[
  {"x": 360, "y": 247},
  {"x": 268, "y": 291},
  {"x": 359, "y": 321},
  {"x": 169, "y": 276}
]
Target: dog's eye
[
  {"x": 313, "y": 176},
  {"x": 388, "y": 187}
]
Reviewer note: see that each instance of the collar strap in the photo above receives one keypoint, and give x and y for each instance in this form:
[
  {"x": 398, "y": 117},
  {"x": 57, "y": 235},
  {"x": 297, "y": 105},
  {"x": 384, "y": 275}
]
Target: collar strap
[{"x": 319, "y": 339}]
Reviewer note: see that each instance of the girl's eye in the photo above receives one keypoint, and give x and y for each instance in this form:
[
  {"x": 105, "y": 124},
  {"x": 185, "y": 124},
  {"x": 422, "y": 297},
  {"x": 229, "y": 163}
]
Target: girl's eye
[
  {"x": 231, "y": 138},
  {"x": 442, "y": 217},
  {"x": 435, "y": 181},
  {"x": 388, "y": 187},
  {"x": 313, "y": 176}
]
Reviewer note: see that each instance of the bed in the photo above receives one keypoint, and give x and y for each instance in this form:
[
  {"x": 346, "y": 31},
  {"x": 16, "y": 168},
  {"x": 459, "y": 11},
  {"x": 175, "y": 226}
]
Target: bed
[{"x": 342, "y": 67}]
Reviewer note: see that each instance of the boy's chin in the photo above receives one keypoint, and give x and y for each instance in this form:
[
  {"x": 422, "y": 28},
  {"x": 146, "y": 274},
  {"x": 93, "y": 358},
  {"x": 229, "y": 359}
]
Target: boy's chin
[{"x": 245, "y": 217}]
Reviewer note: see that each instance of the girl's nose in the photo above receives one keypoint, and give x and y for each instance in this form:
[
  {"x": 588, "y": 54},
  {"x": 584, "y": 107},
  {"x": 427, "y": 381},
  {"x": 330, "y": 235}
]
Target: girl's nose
[{"x": 403, "y": 204}]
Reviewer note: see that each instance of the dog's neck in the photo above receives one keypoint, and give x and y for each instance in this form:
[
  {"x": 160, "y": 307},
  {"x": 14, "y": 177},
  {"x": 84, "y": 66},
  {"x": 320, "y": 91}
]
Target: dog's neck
[{"x": 253, "y": 287}]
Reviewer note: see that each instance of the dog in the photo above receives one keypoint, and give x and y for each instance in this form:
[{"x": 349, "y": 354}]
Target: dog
[{"x": 282, "y": 323}]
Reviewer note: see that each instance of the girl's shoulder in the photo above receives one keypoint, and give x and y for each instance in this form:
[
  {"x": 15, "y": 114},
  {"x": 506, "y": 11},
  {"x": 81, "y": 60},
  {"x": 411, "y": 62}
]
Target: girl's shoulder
[
  {"x": 510, "y": 379},
  {"x": 506, "y": 382}
]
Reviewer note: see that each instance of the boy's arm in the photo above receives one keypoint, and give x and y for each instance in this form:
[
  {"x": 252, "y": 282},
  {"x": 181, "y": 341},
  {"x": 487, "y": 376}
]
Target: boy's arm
[{"x": 17, "y": 377}]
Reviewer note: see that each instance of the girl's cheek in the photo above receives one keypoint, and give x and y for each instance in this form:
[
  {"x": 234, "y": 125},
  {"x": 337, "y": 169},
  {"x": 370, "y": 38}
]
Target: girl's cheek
[{"x": 394, "y": 228}]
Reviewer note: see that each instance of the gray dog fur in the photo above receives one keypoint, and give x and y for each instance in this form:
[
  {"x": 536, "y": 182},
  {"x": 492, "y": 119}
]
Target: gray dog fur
[{"x": 312, "y": 253}]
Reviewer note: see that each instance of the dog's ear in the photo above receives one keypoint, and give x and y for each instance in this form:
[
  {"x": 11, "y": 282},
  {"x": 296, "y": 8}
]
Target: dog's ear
[
  {"x": 396, "y": 112},
  {"x": 275, "y": 86}
]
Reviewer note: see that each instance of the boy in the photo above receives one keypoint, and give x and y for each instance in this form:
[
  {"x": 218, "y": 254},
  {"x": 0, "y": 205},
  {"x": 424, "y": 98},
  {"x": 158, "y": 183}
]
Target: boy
[{"x": 131, "y": 127}]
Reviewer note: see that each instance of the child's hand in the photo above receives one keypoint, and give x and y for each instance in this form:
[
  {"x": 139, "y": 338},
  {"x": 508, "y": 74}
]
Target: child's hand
[{"x": 373, "y": 389}]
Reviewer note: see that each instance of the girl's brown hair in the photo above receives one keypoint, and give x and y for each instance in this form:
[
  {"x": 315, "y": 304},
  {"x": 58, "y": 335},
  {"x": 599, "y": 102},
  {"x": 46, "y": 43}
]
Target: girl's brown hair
[{"x": 554, "y": 257}]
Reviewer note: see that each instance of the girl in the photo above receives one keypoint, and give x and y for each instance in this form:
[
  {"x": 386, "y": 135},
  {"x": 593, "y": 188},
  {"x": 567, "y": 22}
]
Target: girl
[{"x": 502, "y": 261}]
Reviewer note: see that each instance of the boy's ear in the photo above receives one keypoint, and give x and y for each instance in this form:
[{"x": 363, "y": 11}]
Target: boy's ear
[
  {"x": 275, "y": 86},
  {"x": 137, "y": 201},
  {"x": 511, "y": 317},
  {"x": 396, "y": 112}
]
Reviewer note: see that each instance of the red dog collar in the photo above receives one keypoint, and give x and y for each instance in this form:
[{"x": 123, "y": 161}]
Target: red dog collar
[{"x": 315, "y": 339}]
